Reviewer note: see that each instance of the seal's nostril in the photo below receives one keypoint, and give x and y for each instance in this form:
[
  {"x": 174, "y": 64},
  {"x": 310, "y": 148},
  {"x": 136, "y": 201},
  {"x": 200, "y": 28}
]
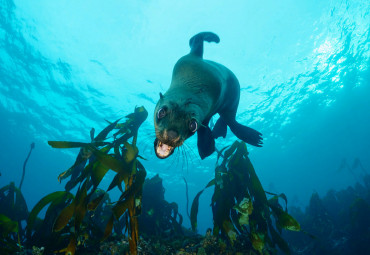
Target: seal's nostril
[{"x": 172, "y": 134}]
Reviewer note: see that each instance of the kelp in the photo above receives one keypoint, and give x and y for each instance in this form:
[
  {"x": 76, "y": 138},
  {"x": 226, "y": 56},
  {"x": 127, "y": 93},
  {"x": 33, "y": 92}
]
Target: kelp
[
  {"x": 39, "y": 232},
  {"x": 14, "y": 211},
  {"x": 94, "y": 160},
  {"x": 240, "y": 206},
  {"x": 338, "y": 221},
  {"x": 159, "y": 218},
  {"x": 7, "y": 227},
  {"x": 195, "y": 206},
  {"x": 24, "y": 165}
]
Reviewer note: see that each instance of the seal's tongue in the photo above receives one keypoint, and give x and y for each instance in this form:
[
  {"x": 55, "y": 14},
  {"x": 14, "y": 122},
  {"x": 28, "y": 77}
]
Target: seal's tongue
[{"x": 162, "y": 150}]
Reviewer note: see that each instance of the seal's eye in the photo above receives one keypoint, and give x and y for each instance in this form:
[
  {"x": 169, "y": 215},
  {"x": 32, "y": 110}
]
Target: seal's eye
[
  {"x": 193, "y": 126},
  {"x": 161, "y": 113}
]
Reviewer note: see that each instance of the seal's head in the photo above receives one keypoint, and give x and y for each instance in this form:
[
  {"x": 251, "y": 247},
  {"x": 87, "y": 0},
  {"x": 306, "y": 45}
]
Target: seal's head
[{"x": 174, "y": 122}]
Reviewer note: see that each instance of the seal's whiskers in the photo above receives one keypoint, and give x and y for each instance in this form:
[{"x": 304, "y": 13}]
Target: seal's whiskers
[
  {"x": 187, "y": 161},
  {"x": 193, "y": 155},
  {"x": 170, "y": 166},
  {"x": 145, "y": 142}
]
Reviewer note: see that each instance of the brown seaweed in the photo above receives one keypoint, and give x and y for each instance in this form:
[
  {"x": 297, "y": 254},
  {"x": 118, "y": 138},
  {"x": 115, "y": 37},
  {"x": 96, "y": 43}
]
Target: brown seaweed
[
  {"x": 240, "y": 206},
  {"x": 94, "y": 161}
]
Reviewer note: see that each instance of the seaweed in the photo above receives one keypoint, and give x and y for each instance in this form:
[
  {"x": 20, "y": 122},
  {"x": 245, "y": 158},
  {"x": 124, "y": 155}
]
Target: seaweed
[
  {"x": 159, "y": 218},
  {"x": 339, "y": 222},
  {"x": 13, "y": 211},
  {"x": 7, "y": 228},
  {"x": 187, "y": 197},
  {"x": 64, "y": 227},
  {"x": 40, "y": 232},
  {"x": 240, "y": 207},
  {"x": 24, "y": 165}
]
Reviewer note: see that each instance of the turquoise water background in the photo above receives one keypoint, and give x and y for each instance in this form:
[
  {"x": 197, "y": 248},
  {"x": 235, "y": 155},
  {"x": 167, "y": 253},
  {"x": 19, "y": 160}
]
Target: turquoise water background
[{"x": 303, "y": 66}]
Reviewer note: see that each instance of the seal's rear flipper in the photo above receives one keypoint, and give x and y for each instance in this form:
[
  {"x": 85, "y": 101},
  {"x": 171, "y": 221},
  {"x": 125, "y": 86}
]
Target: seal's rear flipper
[
  {"x": 196, "y": 42},
  {"x": 247, "y": 134},
  {"x": 206, "y": 143},
  {"x": 220, "y": 129}
]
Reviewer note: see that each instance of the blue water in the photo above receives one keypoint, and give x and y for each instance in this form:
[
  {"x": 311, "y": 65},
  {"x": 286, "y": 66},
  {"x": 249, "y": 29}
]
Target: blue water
[{"x": 303, "y": 66}]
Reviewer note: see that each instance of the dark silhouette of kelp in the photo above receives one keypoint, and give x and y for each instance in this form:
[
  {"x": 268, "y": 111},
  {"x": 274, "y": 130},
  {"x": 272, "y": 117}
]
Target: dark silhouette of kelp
[
  {"x": 339, "y": 220},
  {"x": 13, "y": 212},
  {"x": 159, "y": 218}
]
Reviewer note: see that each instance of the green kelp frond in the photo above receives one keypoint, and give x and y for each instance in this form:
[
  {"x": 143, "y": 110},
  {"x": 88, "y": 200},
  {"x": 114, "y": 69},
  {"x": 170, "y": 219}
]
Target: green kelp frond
[
  {"x": 240, "y": 206},
  {"x": 9, "y": 235},
  {"x": 230, "y": 230},
  {"x": 283, "y": 219},
  {"x": 258, "y": 241},
  {"x": 105, "y": 152},
  {"x": 54, "y": 199},
  {"x": 71, "y": 248},
  {"x": 7, "y": 225},
  {"x": 69, "y": 145},
  {"x": 12, "y": 203},
  {"x": 64, "y": 217},
  {"x": 195, "y": 206},
  {"x": 95, "y": 202},
  {"x": 276, "y": 238},
  {"x": 275, "y": 199},
  {"x": 134, "y": 120},
  {"x": 14, "y": 211},
  {"x": 244, "y": 208},
  {"x": 194, "y": 211}
]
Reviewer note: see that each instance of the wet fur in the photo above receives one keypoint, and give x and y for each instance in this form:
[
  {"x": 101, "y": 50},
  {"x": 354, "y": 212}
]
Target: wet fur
[{"x": 199, "y": 89}]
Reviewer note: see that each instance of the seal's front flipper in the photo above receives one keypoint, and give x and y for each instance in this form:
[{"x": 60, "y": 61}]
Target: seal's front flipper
[
  {"x": 206, "y": 143},
  {"x": 247, "y": 134},
  {"x": 220, "y": 129}
]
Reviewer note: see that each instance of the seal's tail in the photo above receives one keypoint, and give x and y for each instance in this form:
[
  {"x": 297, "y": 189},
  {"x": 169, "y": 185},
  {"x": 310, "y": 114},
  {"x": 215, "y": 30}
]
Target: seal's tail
[{"x": 196, "y": 42}]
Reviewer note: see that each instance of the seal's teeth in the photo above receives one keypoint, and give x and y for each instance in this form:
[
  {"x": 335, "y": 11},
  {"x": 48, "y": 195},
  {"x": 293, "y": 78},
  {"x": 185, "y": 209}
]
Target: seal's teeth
[{"x": 163, "y": 150}]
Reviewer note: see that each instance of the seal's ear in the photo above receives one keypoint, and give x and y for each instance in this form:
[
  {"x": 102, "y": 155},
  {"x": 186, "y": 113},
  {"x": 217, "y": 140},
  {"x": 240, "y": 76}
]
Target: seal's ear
[{"x": 161, "y": 95}]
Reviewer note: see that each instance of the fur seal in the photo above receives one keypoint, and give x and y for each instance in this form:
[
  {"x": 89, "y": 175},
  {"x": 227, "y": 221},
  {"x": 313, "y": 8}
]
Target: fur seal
[{"x": 199, "y": 89}]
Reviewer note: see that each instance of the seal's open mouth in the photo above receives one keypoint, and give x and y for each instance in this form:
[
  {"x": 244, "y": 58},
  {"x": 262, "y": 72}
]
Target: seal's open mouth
[{"x": 162, "y": 150}]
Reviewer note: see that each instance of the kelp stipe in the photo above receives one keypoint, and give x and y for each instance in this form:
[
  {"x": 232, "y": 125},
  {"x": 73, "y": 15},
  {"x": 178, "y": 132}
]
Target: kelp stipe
[
  {"x": 94, "y": 160},
  {"x": 24, "y": 165},
  {"x": 241, "y": 210}
]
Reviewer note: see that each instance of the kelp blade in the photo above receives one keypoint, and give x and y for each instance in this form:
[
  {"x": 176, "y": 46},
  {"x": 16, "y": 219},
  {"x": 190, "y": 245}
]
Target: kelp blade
[
  {"x": 94, "y": 203},
  {"x": 7, "y": 225},
  {"x": 44, "y": 202},
  {"x": 64, "y": 217},
  {"x": 285, "y": 220},
  {"x": 194, "y": 211},
  {"x": 66, "y": 145}
]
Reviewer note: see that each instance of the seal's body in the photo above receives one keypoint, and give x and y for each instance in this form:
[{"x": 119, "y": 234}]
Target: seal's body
[{"x": 199, "y": 89}]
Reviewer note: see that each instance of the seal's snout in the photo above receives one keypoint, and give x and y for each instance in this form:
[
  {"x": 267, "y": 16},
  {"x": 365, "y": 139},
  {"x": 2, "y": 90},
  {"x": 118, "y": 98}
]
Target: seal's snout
[
  {"x": 172, "y": 135},
  {"x": 162, "y": 150}
]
